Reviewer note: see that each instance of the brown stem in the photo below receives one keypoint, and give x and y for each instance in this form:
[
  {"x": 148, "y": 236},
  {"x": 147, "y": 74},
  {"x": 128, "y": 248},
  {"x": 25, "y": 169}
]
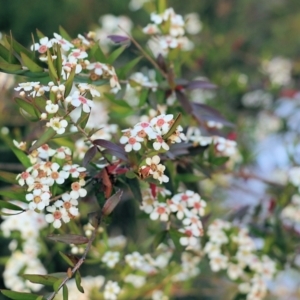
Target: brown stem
[
  {"x": 146, "y": 55},
  {"x": 80, "y": 261}
]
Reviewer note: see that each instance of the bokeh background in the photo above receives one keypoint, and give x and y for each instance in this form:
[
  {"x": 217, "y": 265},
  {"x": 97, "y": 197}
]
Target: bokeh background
[{"x": 236, "y": 38}]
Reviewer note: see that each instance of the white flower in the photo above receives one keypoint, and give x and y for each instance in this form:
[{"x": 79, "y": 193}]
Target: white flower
[
  {"x": 57, "y": 214},
  {"x": 134, "y": 142},
  {"x": 161, "y": 211},
  {"x": 27, "y": 86},
  {"x": 111, "y": 258},
  {"x": 97, "y": 68},
  {"x": 65, "y": 45},
  {"x": 25, "y": 177},
  {"x": 234, "y": 271},
  {"x": 218, "y": 262},
  {"x": 135, "y": 260},
  {"x": 111, "y": 290},
  {"x": 78, "y": 100},
  {"x": 51, "y": 108},
  {"x": 74, "y": 170},
  {"x": 159, "y": 174},
  {"x": 77, "y": 191},
  {"x": 189, "y": 240},
  {"x": 162, "y": 123},
  {"x": 39, "y": 199},
  {"x": 160, "y": 143},
  {"x": 136, "y": 280},
  {"x": 77, "y": 54},
  {"x": 58, "y": 125},
  {"x": 43, "y": 46},
  {"x": 88, "y": 87}
]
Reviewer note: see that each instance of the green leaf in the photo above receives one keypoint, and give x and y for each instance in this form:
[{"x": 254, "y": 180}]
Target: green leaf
[
  {"x": 14, "y": 194},
  {"x": 7, "y": 56},
  {"x": 59, "y": 60},
  {"x": 69, "y": 238},
  {"x": 98, "y": 53},
  {"x": 41, "y": 279},
  {"x": 78, "y": 282},
  {"x": 115, "y": 54},
  {"x": 39, "y": 34},
  {"x": 8, "y": 205},
  {"x": 8, "y": 177},
  {"x": 10, "y": 67},
  {"x": 19, "y": 295},
  {"x": 175, "y": 236},
  {"x": 65, "y": 293},
  {"x": 135, "y": 188},
  {"x": 64, "y": 34},
  {"x": 28, "y": 107},
  {"x": 22, "y": 156},
  {"x": 57, "y": 284},
  {"x": 159, "y": 238},
  {"x": 30, "y": 64},
  {"x": 52, "y": 70},
  {"x": 143, "y": 97},
  {"x": 123, "y": 71},
  {"x": 67, "y": 259},
  {"x": 119, "y": 102},
  {"x": 173, "y": 127},
  {"x": 69, "y": 82},
  {"x": 46, "y": 136},
  {"x": 18, "y": 47}
]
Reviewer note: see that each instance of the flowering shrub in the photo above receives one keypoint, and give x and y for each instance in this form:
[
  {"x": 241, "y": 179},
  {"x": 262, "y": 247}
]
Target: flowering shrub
[{"x": 123, "y": 167}]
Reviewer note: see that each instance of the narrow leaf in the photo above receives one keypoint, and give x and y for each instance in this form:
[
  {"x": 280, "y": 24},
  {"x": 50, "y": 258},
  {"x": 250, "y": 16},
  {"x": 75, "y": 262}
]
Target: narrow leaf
[
  {"x": 89, "y": 155},
  {"x": 52, "y": 70},
  {"x": 135, "y": 188},
  {"x": 28, "y": 107},
  {"x": 6, "y": 54},
  {"x": 111, "y": 203},
  {"x": 30, "y": 64},
  {"x": 8, "y": 205},
  {"x": 18, "y": 47},
  {"x": 200, "y": 84},
  {"x": 10, "y": 67},
  {"x": 8, "y": 177},
  {"x": 118, "y": 39},
  {"x": 98, "y": 53},
  {"x": 173, "y": 127},
  {"x": 19, "y": 295},
  {"x": 115, "y": 54},
  {"x": 123, "y": 71},
  {"x": 41, "y": 279},
  {"x": 70, "y": 261},
  {"x": 184, "y": 101},
  {"x": 78, "y": 282},
  {"x": 57, "y": 284},
  {"x": 64, "y": 34},
  {"x": 39, "y": 34},
  {"x": 46, "y": 136},
  {"x": 159, "y": 238},
  {"x": 116, "y": 149},
  {"x": 14, "y": 194},
  {"x": 94, "y": 218},
  {"x": 69, "y": 82},
  {"x": 65, "y": 293},
  {"x": 68, "y": 238}
]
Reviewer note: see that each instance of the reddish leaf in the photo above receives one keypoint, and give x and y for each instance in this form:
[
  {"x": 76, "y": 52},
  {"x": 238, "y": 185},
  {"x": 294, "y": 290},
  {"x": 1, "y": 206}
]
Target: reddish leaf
[
  {"x": 112, "y": 148},
  {"x": 184, "y": 101},
  {"x": 105, "y": 179},
  {"x": 111, "y": 203},
  {"x": 89, "y": 155},
  {"x": 68, "y": 238},
  {"x": 200, "y": 84}
]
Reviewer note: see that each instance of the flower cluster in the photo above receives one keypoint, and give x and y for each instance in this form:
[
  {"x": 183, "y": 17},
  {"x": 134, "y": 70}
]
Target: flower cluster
[
  {"x": 52, "y": 168},
  {"x": 152, "y": 133},
  {"x": 232, "y": 249},
  {"x": 187, "y": 207},
  {"x": 168, "y": 31}
]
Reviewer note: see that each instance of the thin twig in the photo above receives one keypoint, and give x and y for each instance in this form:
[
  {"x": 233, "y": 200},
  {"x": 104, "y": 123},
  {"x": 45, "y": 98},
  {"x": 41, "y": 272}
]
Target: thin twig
[
  {"x": 146, "y": 55},
  {"x": 80, "y": 261}
]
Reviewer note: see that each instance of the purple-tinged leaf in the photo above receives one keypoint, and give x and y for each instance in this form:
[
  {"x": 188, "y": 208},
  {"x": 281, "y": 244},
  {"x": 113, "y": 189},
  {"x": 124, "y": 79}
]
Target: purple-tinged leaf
[
  {"x": 118, "y": 39},
  {"x": 200, "y": 84},
  {"x": 89, "y": 155},
  {"x": 111, "y": 203},
  {"x": 68, "y": 238},
  {"x": 162, "y": 63},
  {"x": 112, "y": 148},
  {"x": 95, "y": 218},
  {"x": 184, "y": 101},
  {"x": 205, "y": 113}
]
